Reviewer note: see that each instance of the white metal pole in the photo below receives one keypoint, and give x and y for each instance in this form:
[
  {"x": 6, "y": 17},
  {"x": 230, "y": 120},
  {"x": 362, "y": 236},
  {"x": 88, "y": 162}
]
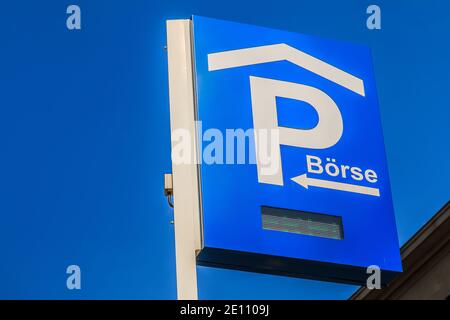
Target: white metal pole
[{"x": 186, "y": 194}]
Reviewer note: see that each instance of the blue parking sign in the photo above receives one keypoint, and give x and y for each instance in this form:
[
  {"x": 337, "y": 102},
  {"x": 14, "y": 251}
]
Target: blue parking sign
[{"x": 311, "y": 195}]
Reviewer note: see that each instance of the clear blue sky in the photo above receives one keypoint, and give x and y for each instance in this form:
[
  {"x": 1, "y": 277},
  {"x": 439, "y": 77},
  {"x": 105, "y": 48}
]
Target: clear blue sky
[{"x": 84, "y": 127}]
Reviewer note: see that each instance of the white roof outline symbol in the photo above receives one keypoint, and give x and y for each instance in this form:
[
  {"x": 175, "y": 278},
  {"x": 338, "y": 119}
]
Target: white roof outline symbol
[{"x": 281, "y": 52}]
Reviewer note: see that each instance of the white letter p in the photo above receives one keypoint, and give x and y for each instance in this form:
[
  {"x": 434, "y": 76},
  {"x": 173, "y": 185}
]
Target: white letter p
[{"x": 325, "y": 134}]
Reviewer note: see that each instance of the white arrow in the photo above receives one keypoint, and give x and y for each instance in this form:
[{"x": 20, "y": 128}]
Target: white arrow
[{"x": 305, "y": 182}]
